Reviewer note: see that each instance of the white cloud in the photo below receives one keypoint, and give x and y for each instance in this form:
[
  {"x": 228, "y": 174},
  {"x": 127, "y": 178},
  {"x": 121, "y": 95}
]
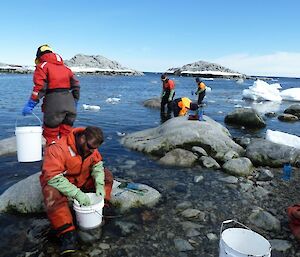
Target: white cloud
[{"x": 277, "y": 64}]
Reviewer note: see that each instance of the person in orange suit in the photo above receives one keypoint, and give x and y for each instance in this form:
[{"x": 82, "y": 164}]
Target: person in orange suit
[
  {"x": 59, "y": 88},
  {"x": 72, "y": 167},
  {"x": 294, "y": 220}
]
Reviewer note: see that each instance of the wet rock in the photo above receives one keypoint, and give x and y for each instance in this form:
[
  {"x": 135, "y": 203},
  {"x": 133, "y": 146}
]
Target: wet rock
[
  {"x": 126, "y": 228},
  {"x": 294, "y": 110},
  {"x": 90, "y": 235},
  {"x": 197, "y": 179},
  {"x": 245, "y": 117},
  {"x": 238, "y": 167},
  {"x": 199, "y": 151},
  {"x": 264, "y": 220},
  {"x": 153, "y": 103},
  {"x": 264, "y": 175},
  {"x": 209, "y": 162},
  {"x": 182, "y": 245},
  {"x": 265, "y": 153},
  {"x": 280, "y": 245},
  {"x": 179, "y": 157},
  {"x": 229, "y": 179},
  {"x": 288, "y": 117},
  {"x": 230, "y": 155},
  {"x": 212, "y": 236}
]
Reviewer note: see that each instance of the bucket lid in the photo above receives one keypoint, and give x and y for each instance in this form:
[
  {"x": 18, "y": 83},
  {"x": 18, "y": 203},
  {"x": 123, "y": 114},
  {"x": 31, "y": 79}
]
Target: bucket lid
[{"x": 29, "y": 129}]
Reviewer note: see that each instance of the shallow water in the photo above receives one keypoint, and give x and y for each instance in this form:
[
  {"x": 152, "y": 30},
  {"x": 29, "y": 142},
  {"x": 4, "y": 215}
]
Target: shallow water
[{"x": 127, "y": 116}]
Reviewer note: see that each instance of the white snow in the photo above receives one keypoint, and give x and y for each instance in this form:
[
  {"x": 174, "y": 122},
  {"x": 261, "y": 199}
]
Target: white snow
[
  {"x": 283, "y": 138},
  {"x": 261, "y": 90},
  {"x": 113, "y": 100},
  {"x": 91, "y": 107},
  {"x": 217, "y": 73},
  {"x": 92, "y": 69},
  {"x": 291, "y": 94}
]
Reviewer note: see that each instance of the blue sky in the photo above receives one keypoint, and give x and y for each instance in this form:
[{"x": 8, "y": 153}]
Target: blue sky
[{"x": 257, "y": 37}]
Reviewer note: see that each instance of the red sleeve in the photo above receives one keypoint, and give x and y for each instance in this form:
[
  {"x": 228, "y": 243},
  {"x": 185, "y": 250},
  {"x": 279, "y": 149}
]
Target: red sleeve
[
  {"x": 39, "y": 80},
  {"x": 96, "y": 157}
]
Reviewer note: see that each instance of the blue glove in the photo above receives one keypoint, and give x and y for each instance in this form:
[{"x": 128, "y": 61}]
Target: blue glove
[{"x": 29, "y": 107}]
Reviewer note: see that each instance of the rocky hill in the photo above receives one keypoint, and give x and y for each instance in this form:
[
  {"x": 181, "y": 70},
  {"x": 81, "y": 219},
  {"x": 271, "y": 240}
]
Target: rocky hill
[
  {"x": 205, "y": 69},
  {"x": 81, "y": 63}
]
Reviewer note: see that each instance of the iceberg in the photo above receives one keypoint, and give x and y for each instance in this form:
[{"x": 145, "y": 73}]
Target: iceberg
[
  {"x": 282, "y": 138},
  {"x": 91, "y": 107},
  {"x": 262, "y": 91},
  {"x": 112, "y": 100},
  {"x": 291, "y": 94}
]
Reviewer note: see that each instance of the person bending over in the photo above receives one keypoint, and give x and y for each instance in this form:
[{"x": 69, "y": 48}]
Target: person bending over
[
  {"x": 182, "y": 105},
  {"x": 73, "y": 166}
]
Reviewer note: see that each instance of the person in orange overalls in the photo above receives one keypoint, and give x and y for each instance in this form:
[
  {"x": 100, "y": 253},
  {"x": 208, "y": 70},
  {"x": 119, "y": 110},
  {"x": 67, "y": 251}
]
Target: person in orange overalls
[
  {"x": 73, "y": 166},
  {"x": 168, "y": 93},
  {"x": 182, "y": 105},
  {"x": 59, "y": 88}
]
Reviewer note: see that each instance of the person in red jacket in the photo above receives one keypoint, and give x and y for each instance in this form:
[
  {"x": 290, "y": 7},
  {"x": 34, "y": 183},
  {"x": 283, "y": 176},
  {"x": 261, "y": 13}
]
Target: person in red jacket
[
  {"x": 168, "y": 93},
  {"x": 72, "y": 167},
  {"x": 60, "y": 89}
]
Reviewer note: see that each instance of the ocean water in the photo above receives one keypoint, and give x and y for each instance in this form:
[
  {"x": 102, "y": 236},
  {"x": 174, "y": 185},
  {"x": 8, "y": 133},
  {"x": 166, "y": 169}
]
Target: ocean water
[{"x": 126, "y": 116}]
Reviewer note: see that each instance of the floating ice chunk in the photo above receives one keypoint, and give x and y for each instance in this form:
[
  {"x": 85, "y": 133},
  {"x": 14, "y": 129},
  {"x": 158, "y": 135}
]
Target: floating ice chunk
[
  {"x": 261, "y": 91},
  {"x": 283, "y": 138},
  {"x": 91, "y": 107},
  {"x": 240, "y": 81},
  {"x": 265, "y": 107},
  {"x": 291, "y": 94},
  {"x": 121, "y": 134},
  {"x": 208, "y": 89},
  {"x": 112, "y": 100}
]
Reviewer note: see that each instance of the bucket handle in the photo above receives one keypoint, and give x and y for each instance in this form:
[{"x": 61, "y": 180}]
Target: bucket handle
[
  {"x": 231, "y": 221},
  {"x": 16, "y": 123}
]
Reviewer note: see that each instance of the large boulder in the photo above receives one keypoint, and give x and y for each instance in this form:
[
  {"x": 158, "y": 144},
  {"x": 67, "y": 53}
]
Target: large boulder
[
  {"x": 153, "y": 103},
  {"x": 245, "y": 117},
  {"x": 238, "y": 167},
  {"x": 8, "y": 146},
  {"x": 265, "y": 153},
  {"x": 182, "y": 133}
]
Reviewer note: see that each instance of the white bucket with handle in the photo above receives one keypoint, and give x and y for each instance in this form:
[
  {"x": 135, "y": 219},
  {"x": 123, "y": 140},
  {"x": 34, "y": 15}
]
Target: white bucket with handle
[
  {"x": 242, "y": 242},
  {"x": 29, "y": 142},
  {"x": 89, "y": 217}
]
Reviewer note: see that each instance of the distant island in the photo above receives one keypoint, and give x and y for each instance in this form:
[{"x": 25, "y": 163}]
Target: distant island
[
  {"x": 97, "y": 64},
  {"x": 206, "y": 70},
  {"x": 80, "y": 63}
]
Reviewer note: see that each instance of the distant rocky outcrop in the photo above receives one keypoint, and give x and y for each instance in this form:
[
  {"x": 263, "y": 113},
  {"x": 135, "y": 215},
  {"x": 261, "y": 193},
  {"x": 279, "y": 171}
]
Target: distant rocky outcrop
[
  {"x": 13, "y": 68},
  {"x": 97, "y": 64},
  {"x": 205, "y": 69}
]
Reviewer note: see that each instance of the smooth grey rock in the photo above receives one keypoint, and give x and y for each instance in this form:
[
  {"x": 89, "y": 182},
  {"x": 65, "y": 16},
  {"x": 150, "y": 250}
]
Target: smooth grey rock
[
  {"x": 288, "y": 117},
  {"x": 8, "y": 145},
  {"x": 229, "y": 180},
  {"x": 280, "y": 245},
  {"x": 294, "y": 109},
  {"x": 245, "y": 117},
  {"x": 179, "y": 157},
  {"x": 264, "y": 220},
  {"x": 238, "y": 167},
  {"x": 199, "y": 151},
  {"x": 265, "y": 153},
  {"x": 153, "y": 103},
  {"x": 179, "y": 132},
  {"x": 182, "y": 245},
  {"x": 209, "y": 162}
]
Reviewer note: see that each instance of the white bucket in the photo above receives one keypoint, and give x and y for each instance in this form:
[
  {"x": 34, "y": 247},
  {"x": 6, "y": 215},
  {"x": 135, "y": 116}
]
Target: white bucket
[
  {"x": 89, "y": 217},
  {"x": 241, "y": 242},
  {"x": 29, "y": 143}
]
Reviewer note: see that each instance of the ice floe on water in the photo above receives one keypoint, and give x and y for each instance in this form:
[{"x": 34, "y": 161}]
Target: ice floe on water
[
  {"x": 266, "y": 107},
  {"x": 113, "y": 100},
  {"x": 91, "y": 107},
  {"x": 282, "y": 138},
  {"x": 262, "y": 91}
]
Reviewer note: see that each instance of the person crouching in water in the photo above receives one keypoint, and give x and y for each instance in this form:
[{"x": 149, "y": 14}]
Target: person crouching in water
[
  {"x": 182, "y": 105},
  {"x": 73, "y": 166},
  {"x": 201, "y": 88}
]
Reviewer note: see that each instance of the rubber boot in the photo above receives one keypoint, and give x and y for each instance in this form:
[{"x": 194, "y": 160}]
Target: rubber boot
[
  {"x": 50, "y": 134},
  {"x": 68, "y": 243}
]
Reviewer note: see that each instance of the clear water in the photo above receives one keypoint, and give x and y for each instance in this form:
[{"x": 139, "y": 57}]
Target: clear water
[{"x": 126, "y": 116}]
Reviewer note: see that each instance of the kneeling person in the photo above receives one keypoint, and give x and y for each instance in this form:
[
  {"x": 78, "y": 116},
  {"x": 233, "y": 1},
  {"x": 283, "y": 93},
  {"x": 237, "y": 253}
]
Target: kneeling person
[
  {"x": 181, "y": 106},
  {"x": 73, "y": 166}
]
